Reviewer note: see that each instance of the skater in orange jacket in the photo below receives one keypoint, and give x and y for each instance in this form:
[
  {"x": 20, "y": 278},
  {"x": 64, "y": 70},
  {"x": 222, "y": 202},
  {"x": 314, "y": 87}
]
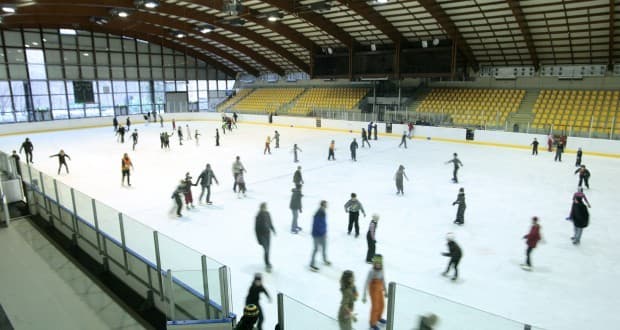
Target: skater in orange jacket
[{"x": 375, "y": 285}]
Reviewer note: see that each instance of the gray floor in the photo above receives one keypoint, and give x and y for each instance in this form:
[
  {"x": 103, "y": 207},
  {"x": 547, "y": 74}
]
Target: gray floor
[{"x": 41, "y": 289}]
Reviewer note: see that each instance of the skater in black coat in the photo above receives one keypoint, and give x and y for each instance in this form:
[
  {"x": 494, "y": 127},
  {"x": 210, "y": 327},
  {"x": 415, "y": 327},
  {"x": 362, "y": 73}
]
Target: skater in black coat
[
  {"x": 253, "y": 297},
  {"x": 353, "y": 148},
  {"x": 460, "y": 212},
  {"x": 176, "y": 195},
  {"x": 205, "y": 179},
  {"x": 295, "y": 206},
  {"x": 558, "y": 151},
  {"x": 298, "y": 180},
  {"x": 580, "y": 217},
  {"x": 264, "y": 228},
  {"x": 115, "y": 123},
  {"x": 128, "y": 123},
  {"x": 534, "y": 145},
  {"x": 403, "y": 140},
  {"x": 457, "y": 164},
  {"x": 371, "y": 238},
  {"x": 180, "y": 134},
  {"x": 62, "y": 160},
  {"x": 579, "y": 155},
  {"x": 27, "y": 147},
  {"x": 455, "y": 254},
  {"x": 134, "y": 137},
  {"x": 374, "y": 132},
  {"x": 399, "y": 176},
  {"x": 365, "y": 138},
  {"x": 584, "y": 176},
  {"x": 217, "y": 138},
  {"x": 121, "y": 133},
  {"x": 295, "y": 149}
]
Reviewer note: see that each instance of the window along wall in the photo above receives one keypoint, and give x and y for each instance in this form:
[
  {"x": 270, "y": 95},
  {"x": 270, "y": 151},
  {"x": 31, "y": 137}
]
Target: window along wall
[{"x": 38, "y": 67}]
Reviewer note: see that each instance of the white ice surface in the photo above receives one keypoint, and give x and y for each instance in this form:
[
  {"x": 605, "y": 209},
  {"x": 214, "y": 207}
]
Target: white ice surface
[{"x": 571, "y": 287}]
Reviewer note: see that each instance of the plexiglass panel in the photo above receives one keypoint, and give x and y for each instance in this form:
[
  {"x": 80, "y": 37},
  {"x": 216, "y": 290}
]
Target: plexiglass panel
[
  {"x": 299, "y": 316},
  {"x": 108, "y": 220}
]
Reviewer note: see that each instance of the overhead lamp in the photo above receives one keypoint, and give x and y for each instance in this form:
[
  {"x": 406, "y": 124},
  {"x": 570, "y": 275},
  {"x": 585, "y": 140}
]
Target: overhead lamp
[
  {"x": 99, "y": 20},
  {"x": 8, "y": 8},
  {"x": 149, "y": 4},
  {"x": 179, "y": 34},
  {"x": 373, "y": 47},
  {"x": 120, "y": 12},
  {"x": 205, "y": 29},
  {"x": 424, "y": 44},
  {"x": 274, "y": 17},
  {"x": 330, "y": 50},
  {"x": 435, "y": 42},
  {"x": 382, "y": 1}
]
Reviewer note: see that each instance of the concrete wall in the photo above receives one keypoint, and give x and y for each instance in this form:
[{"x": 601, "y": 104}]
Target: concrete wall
[{"x": 496, "y": 138}]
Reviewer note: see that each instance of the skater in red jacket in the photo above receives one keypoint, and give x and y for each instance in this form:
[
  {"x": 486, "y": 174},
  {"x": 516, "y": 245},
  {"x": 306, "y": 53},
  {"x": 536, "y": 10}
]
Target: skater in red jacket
[{"x": 532, "y": 239}]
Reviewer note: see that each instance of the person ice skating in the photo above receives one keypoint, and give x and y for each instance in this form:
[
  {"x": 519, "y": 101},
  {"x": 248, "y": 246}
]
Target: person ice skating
[
  {"x": 399, "y": 176},
  {"x": 249, "y": 318},
  {"x": 376, "y": 289},
  {"x": 189, "y": 132},
  {"x": 174, "y": 124},
  {"x": 579, "y": 155},
  {"x": 196, "y": 135},
  {"x": 584, "y": 176},
  {"x": 128, "y": 124},
  {"x": 176, "y": 195},
  {"x": 579, "y": 193},
  {"x": 267, "y": 145},
  {"x": 353, "y": 148},
  {"x": 180, "y": 135},
  {"x": 62, "y": 160},
  {"x": 241, "y": 185},
  {"x": 276, "y": 137},
  {"x": 167, "y": 139},
  {"x": 532, "y": 239},
  {"x": 365, "y": 138},
  {"x": 353, "y": 206},
  {"x": 559, "y": 149},
  {"x": 115, "y": 123},
  {"x": 205, "y": 179},
  {"x": 126, "y": 166},
  {"x": 534, "y": 145},
  {"x": 332, "y": 148},
  {"x": 121, "y": 134},
  {"x": 298, "y": 180},
  {"x": 580, "y": 217},
  {"x": 27, "y": 147},
  {"x": 550, "y": 142},
  {"x": 295, "y": 149},
  {"x": 189, "y": 198},
  {"x": 134, "y": 138},
  {"x": 374, "y": 131},
  {"x": 346, "y": 317},
  {"x": 253, "y": 297},
  {"x": 161, "y": 121},
  {"x": 460, "y": 212},
  {"x": 217, "y": 138},
  {"x": 457, "y": 164},
  {"x": 15, "y": 157},
  {"x": 455, "y": 254},
  {"x": 264, "y": 228},
  {"x": 237, "y": 168},
  {"x": 410, "y": 129},
  {"x": 370, "y": 126},
  {"x": 162, "y": 140},
  {"x": 427, "y": 322},
  {"x": 319, "y": 235},
  {"x": 235, "y": 117},
  {"x": 295, "y": 206},
  {"x": 403, "y": 140},
  {"x": 371, "y": 238}
]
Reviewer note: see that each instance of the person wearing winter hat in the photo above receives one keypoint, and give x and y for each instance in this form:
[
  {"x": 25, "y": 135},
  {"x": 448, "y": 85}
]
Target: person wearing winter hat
[
  {"x": 400, "y": 174},
  {"x": 427, "y": 321},
  {"x": 375, "y": 285},
  {"x": 580, "y": 217},
  {"x": 532, "y": 239},
  {"x": 455, "y": 254},
  {"x": 346, "y": 317},
  {"x": 371, "y": 238},
  {"x": 253, "y": 297},
  {"x": 249, "y": 318}
]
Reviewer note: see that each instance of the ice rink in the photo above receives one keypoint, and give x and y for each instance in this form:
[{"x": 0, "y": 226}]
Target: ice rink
[{"x": 570, "y": 287}]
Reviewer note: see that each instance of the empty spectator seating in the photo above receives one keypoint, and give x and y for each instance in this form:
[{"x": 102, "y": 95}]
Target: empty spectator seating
[
  {"x": 334, "y": 99},
  {"x": 576, "y": 110},
  {"x": 234, "y": 99},
  {"x": 265, "y": 100},
  {"x": 473, "y": 106}
]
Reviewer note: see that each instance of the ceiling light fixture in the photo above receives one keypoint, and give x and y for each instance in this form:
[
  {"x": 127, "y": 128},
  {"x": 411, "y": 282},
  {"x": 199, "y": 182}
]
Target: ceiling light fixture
[
  {"x": 435, "y": 42},
  {"x": 373, "y": 47},
  {"x": 150, "y": 4},
  {"x": 99, "y": 20},
  {"x": 330, "y": 50},
  {"x": 205, "y": 28},
  {"x": 179, "y": 34},
  {"x": 9, "y": 9},
  {"x": 382, "y": 1},
  {"x": 274, "y": 17},
  {"x": 120, "y": 12},
  {"x": 424, "y": 44}
]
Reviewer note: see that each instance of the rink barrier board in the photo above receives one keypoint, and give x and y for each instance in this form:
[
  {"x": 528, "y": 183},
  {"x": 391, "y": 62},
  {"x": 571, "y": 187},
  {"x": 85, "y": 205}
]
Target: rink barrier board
[
  {"x": 287, "y": 121},
  {"x": 58, "y": 211}
]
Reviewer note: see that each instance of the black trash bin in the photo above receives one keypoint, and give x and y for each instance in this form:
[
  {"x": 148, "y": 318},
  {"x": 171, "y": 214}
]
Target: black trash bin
[
  {"x": 388, "y": 127},
  {"x": 469, "y": 135}
]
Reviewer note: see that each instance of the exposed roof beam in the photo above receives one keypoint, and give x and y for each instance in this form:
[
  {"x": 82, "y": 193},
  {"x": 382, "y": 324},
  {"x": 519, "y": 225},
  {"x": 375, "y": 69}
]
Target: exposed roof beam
[
  {"x": 375, "y": 18},
  {"x": 527, "y": 35},
  {"x": 35, "y": 21},
  {"x": 434, "y": 8},
  {"x": 612, "y": 29},
  {"x": 175, "y": 10},
  {"x": 147, "y": 33}
]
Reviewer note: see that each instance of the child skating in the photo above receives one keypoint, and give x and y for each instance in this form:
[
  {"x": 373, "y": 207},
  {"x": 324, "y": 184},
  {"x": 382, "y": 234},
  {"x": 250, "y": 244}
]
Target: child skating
[
  {"x": 375, "y": 287},
  {"x": 532, "y": 239},
  {"x": 62, "y": 160},
  {"x": 455, "y": 254},
  {"x": 295, "y": 150},
  {"x": 126, "y": 166},
  {"x": 399, "y": 177},
  {"x": 457, "y": 164},
  {"x": 460, "y": 212}
]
